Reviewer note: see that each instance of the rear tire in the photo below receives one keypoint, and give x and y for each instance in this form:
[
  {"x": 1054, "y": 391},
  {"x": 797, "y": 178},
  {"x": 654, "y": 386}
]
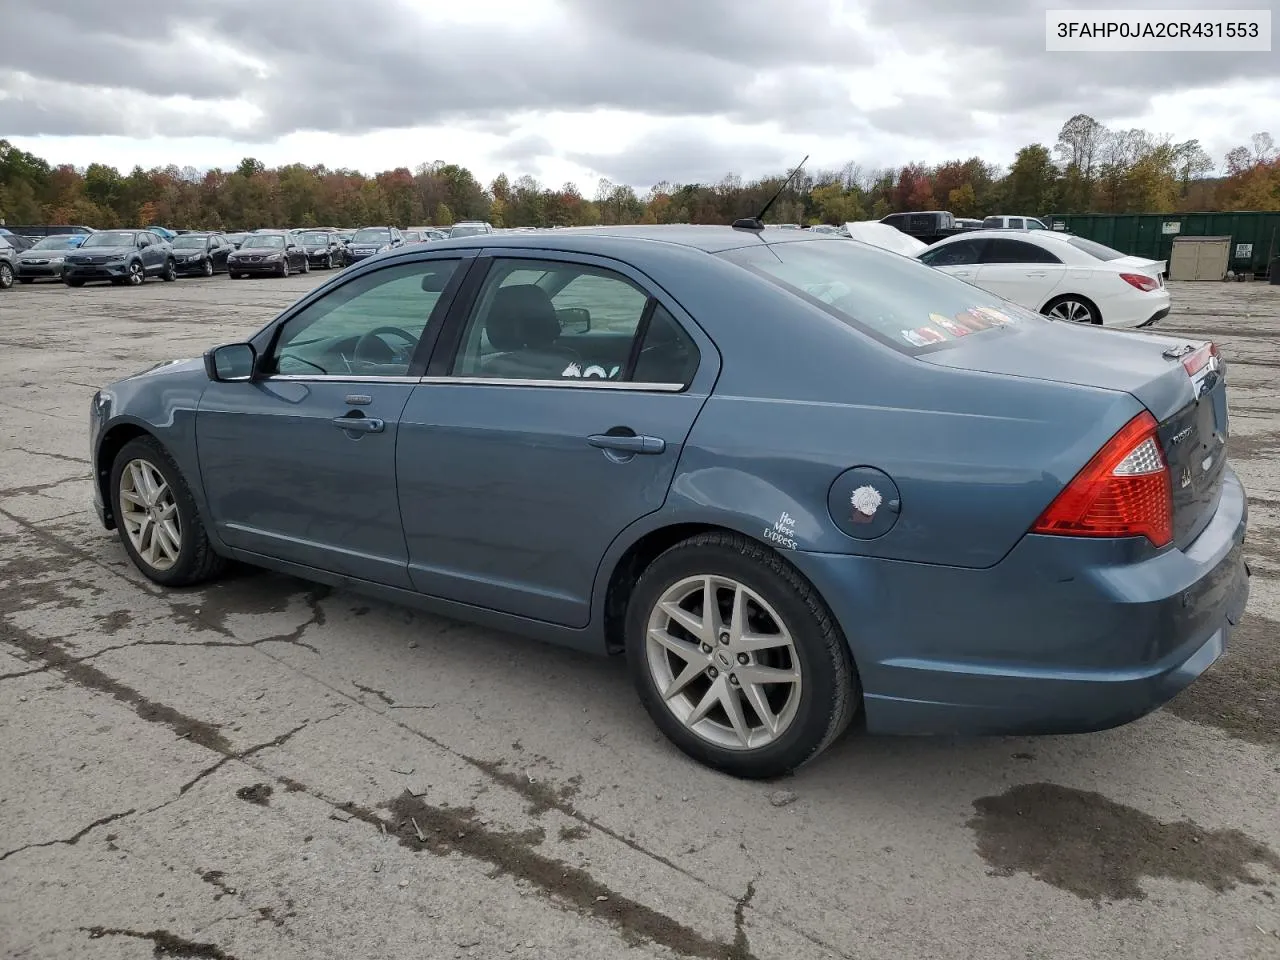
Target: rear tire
[
  {"x": 1073, "y": 308},
  {"x": 808, "y": 712},
  {"x": 194, "y": 560}
]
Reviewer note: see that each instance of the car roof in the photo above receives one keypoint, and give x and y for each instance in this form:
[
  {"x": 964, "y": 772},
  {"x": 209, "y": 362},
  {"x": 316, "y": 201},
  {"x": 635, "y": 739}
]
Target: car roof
[{"x": 708, "y": 238}]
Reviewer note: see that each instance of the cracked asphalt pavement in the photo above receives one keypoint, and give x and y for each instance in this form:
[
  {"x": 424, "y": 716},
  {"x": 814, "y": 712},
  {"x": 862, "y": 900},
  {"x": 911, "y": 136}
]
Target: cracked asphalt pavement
[{"x": 265, "y": 768}]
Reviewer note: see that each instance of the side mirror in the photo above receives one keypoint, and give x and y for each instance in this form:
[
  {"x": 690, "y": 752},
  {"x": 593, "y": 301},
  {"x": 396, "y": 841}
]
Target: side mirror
[
  {"x": 574, "y": 320},
  {"x": 231, "y": 362}
]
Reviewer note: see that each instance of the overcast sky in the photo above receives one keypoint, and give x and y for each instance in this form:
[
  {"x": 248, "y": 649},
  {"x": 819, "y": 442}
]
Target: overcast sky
[{"x": 634, "y": 90}]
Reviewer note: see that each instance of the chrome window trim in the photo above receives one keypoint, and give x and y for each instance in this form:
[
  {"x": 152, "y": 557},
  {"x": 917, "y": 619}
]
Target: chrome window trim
[
  {"x": 574, "y": 383},
  {"x": 336, "y": 378}
]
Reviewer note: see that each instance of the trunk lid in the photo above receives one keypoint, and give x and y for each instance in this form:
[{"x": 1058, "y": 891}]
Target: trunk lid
[
  {"x": 1190, "y": 409},
  {"x": 1151, "y": 268}
]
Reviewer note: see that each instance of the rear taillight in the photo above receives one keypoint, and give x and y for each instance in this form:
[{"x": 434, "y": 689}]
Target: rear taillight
[
  {"x": 1198, "y": 359},
  {"x": 1124, "y": 491},
  {"x": 1141, "y": 281}
]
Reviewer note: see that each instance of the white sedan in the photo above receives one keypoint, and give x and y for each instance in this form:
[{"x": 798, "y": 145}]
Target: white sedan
[{"x": 1062, "y": 276}]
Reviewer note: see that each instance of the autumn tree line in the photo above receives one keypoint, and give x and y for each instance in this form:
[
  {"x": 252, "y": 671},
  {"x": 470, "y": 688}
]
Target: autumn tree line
[{"x": 1090, "y": 169}]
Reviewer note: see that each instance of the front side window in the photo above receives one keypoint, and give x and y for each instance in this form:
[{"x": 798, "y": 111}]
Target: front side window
[
  {"x": 368, "y": 327},
  {"x": 899, "y": 301},
  {"x": 1034, "y": 224},
  {"x": 554, "y": 321}
]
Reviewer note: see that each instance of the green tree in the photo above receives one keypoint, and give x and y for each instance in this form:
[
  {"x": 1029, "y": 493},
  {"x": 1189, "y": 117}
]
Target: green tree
[{"x": 1032, "y": 182}]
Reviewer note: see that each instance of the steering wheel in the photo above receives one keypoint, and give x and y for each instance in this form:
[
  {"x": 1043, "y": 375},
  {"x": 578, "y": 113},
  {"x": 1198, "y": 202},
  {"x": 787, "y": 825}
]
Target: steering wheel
[{"x": 371, "y": 337}]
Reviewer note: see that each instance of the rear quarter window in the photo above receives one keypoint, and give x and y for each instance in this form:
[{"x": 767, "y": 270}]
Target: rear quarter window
[{"x": 897, "y": 300}]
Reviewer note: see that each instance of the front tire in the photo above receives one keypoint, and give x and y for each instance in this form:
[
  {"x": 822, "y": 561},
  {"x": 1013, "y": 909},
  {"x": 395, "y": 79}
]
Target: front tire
[
  {"x": 207, "y": 269},
  {"x": 760, "y": 687},
  {"x": 156, "y": 517},
  {"x": 284, "y": 267},
  {"x": 1073, "y": 309},
  {"x": 306, "y": 265},
  {"x": 6, "y": 276},
  {"x": 136, "y": 274},
  {"x": 170, "y": 271},
  {"x": 328, "y": 261}
]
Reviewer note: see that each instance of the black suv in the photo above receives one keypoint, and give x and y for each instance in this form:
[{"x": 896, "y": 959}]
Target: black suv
[
  {"x": 370, "y": 240},
  {"x": 8, "y": 264}
]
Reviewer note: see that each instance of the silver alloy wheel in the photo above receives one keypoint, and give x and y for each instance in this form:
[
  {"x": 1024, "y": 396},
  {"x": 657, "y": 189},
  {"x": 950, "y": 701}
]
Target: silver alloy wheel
[
  {"x": 150, "y": 514},
  {"x": 6, "y": 276},
  {"x": 135, "y": 273},
  {"x": 328, "y": 262},
  {"x": 723, "y": 662},
  {"x": 208, "y": 268},
  {"x": 284, "y": 267},
  {"x": 1072, "y": 311}
]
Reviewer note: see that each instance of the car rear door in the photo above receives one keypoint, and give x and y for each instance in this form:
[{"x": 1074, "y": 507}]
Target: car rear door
[
  {"x": 1022, "y": 272},
  {"x": 525, "y": 452}
]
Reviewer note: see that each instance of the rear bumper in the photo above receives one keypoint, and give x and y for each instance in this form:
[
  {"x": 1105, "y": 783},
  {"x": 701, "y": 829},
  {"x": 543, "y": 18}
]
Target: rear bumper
[
  {"x": 1133, "y": 308},
  {"x": 1064, "y": 635},
  {"x": 1159, "y": 315}
]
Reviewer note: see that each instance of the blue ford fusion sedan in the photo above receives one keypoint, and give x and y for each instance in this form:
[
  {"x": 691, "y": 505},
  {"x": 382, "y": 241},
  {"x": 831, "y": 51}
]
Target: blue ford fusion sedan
[{"x": 797, "y": 480}]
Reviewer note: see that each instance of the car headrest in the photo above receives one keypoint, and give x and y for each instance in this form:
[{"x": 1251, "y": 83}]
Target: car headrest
[{"x": 522, "y": 317}]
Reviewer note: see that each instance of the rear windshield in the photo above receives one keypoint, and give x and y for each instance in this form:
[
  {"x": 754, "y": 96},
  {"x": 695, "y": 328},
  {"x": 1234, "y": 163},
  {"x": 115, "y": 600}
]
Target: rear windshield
[
  {"x": 897, "y": 299},
  {"x": 468, "y": 230},
  {"x": 1094, "y": 249}
]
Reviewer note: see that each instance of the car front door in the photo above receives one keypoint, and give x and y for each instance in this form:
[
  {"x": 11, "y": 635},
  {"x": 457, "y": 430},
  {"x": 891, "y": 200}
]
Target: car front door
[
  {"x": 220, "y": 250},
  {"x": 1022, "y": 272},
  {"x": 299, "y": 463},
  {"x": 959, "y": 258},
  {"x": 147, "y": 249},
  {"x": 534, "y": 441}
]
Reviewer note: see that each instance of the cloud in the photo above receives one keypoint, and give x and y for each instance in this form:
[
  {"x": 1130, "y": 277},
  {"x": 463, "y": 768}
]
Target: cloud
[
  {"x": 557, "y": 86},
  {"x": 697, "y": 157}
]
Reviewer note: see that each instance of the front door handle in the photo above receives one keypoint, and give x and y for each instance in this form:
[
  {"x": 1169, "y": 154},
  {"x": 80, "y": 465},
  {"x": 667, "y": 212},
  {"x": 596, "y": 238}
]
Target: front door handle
[
  {"x": 360, "y": 424},
  {"x": 1037, "y": 273},
  {"x": 628, "y": 443}
]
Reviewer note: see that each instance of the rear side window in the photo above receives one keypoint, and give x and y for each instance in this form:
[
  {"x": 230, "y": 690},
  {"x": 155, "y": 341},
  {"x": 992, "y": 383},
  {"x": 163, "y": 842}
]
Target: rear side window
[
  {"x": 896, "y": 299},
  {"x": 1017, "y": 223},
  {"x": 999, "y": 250}
]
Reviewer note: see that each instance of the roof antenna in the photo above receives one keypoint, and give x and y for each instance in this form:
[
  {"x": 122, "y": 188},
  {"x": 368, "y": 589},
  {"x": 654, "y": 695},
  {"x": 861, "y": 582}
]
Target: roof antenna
[{"x": 757, "y": 222}]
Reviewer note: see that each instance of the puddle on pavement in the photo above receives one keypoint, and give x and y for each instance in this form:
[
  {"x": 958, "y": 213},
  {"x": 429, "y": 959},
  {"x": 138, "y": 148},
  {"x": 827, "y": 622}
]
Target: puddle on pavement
[{"x": 1098, "y": 849}]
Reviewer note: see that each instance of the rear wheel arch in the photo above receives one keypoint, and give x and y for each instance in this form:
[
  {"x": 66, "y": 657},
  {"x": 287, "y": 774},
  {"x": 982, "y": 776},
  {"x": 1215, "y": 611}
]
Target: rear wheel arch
[
  {"x": 633, "y": 562},
  {"x": 1087, "y": 301}
]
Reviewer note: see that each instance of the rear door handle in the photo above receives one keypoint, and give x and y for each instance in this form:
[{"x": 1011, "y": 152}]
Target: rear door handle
[
  {"x": 628, "y": 444},
  {"x": 1037, "y": 273},
  {"x": 360, "y": 424}
]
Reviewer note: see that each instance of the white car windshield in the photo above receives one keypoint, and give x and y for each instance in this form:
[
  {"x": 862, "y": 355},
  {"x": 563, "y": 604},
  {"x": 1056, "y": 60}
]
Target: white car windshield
[{"x": 1094, "y": 249}]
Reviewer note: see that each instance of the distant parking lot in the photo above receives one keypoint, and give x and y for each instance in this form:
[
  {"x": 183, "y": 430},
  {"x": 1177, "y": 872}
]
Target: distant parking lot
[{"x": 265, "y": 768}]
